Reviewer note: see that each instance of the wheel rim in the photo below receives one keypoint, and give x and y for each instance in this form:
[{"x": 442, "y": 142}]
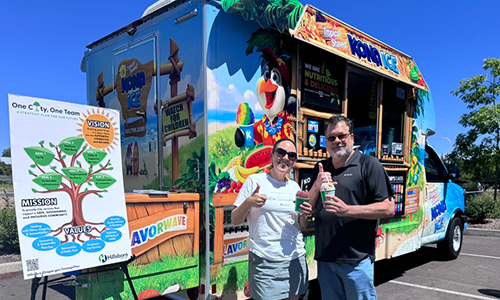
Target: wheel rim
[{"x": 457, "y": 238}]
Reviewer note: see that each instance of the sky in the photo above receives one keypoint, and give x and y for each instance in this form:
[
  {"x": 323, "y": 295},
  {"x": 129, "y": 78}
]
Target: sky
[{"x": 44, "y": 43}]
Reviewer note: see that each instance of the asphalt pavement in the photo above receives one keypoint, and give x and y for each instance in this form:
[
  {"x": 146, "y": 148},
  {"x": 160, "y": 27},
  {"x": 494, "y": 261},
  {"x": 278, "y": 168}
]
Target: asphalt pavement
[{"x": 13, "y": 286}]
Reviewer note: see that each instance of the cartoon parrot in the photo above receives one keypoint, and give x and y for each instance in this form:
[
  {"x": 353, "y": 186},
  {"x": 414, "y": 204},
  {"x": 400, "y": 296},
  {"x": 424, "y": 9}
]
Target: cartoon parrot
[{"x": 273, "y": 94}]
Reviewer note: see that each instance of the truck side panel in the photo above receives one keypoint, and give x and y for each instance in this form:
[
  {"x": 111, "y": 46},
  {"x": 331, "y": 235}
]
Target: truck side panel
[{"x": 162, "y": 141}]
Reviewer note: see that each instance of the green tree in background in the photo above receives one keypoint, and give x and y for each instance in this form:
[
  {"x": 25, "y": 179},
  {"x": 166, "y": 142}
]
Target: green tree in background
[
  {"x": 479, "y": 147},
  {"x": 6, "y": 152},
  {"x": 5, "y": 169}
]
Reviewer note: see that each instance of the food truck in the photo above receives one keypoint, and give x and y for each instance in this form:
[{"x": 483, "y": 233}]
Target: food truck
[{"x": 204, "y": 90}]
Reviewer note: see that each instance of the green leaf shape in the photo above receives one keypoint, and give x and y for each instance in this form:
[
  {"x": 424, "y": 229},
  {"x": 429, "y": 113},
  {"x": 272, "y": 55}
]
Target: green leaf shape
[
  {"x": 75, "y": 174},
  {"x": 94, "y": 156},
  {"x": 51, "y": 145},
  {"x": 103, "y": 181},
  {"x": 282, "y": 13},
  {"x": 39, "y": 155},
  {"x": 71, "y": 145},
  {"x": 50, "y": 181},
  {"x": 34, "y": 191},
  {"x": 32, "y": 166},
  {"x": 261, "y": 39},
  {"x": 30, "y": 172}
]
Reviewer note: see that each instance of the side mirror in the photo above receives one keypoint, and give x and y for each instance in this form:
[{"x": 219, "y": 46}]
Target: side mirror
[{"x": 453, "y": 172}]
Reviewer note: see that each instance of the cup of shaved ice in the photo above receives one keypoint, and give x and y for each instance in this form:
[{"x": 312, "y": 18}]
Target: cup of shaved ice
[
  {"x": 245, "y": 119},
  {"x": 301, "y": 197},
  {"x": 327, "y": 188}
]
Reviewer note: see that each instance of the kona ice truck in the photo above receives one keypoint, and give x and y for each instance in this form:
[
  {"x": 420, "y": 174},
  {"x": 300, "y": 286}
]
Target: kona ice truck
[{"x": 205, "y": 88}]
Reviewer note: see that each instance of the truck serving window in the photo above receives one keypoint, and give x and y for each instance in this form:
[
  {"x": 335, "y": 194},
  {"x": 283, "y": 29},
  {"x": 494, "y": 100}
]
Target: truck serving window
[
  {"x": 362, "y": 108},
  {"x": 434, "y": 168},
  {"x": 393, "y": 116}
]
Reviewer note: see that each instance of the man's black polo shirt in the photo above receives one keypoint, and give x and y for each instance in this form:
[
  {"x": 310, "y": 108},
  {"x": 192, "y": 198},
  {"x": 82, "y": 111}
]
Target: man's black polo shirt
[{"x": 345, "y": 239}]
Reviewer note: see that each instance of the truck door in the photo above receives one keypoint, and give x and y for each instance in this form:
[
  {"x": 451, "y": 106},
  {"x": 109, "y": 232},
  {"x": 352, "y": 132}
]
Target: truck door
[
  {"x": 135, "y": 87},
  {"x": 436, "y": 188}
]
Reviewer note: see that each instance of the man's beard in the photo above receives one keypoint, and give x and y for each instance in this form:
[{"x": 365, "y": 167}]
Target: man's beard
[{"x": 344, "y": 153}]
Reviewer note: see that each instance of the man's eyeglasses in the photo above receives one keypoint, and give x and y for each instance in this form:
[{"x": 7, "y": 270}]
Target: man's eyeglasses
[
  {"x": 341, "y": 137},
  {"x": 282, "y": 152}
]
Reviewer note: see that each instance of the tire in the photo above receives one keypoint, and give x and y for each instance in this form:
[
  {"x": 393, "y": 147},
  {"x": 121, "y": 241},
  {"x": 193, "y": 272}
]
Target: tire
[{"x": 452, "y": 244}]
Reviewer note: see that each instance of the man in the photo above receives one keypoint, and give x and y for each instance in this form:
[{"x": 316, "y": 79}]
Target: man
[{"x": 346, "y": 225}]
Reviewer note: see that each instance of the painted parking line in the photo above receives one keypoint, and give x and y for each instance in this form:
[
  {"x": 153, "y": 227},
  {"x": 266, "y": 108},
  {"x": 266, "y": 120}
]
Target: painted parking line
[
  {"x": 483, "y": 256},
  {"x": 441, "y": 290}
]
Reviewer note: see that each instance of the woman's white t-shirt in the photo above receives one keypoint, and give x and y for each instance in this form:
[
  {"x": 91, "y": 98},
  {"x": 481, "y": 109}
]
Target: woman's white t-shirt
[{"x": 274, "y": 228}]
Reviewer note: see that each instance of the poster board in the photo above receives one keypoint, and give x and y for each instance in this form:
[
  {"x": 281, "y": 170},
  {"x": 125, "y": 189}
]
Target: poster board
[{"x": 68, "y": 186}]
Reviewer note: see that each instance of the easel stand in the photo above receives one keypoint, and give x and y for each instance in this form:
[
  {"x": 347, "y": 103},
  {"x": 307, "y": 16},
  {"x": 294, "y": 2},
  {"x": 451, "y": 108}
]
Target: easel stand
[{"x": 71, "y": 280}]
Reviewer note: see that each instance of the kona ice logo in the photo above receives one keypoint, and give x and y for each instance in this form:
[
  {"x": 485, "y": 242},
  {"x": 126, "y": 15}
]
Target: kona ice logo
[
  {"x": 173, "y": 223},
  {"x": 132, "y": 85},
  {"x": 371, "y": 54}
]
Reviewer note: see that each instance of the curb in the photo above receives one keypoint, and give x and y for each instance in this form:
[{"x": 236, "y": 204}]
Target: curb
[
  {"x": 482, "y": 232},
  {"x": 11, "y": 267}
]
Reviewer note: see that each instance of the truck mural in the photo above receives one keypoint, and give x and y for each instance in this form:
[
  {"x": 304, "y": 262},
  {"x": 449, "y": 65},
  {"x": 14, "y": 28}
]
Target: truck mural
[{"x": 206, "y": 89}]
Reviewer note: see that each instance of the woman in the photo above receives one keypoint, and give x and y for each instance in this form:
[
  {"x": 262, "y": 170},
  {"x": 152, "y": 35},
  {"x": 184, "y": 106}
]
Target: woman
[{"x": 276, "y": 263}]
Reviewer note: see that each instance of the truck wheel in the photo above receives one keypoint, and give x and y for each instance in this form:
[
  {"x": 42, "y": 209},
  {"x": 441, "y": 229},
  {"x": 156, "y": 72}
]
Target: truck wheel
[{"x": 452, "y": 244}]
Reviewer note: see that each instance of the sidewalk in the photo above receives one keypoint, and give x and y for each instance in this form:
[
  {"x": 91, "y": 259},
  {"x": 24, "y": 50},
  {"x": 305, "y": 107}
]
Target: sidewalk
[
  {"x": 11, "y": 267},
  {"x": 482, "y": 232}
]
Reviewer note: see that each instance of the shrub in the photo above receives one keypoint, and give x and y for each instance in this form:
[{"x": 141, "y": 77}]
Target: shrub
[
  {"x": 479, "y": 207},
  {"x": 9, "y": 240},
  {"x": 496, "y": 211}
]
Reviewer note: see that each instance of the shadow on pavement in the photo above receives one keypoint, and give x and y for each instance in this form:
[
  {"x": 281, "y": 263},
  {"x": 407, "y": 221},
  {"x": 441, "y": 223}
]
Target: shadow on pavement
[
  {"x": 389, "y": 269},
  {"x": 62, "y": 289},
  {"x": 490, "y": 292},
  {"x": 55, "y": 287}
]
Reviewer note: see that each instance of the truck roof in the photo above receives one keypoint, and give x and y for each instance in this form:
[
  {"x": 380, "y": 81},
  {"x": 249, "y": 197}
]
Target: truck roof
[{"x": 151, "y": 12}]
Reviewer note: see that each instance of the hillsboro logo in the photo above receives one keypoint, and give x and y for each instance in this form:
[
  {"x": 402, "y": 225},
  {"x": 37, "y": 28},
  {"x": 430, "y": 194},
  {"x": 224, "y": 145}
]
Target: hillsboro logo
[{"x": 103, "y": 258}]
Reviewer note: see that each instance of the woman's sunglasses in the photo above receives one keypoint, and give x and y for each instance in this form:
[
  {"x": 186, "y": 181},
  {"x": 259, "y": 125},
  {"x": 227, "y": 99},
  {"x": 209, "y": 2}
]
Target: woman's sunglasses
[{"x": 282, "y": 152}]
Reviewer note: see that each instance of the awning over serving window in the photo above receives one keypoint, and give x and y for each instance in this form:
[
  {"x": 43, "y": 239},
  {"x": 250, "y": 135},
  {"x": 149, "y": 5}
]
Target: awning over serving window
[{"x": 324, "y": 31}]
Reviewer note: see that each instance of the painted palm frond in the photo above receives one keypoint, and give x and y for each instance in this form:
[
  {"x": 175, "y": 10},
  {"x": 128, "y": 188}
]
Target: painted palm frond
[
  {"x": 229, "y": 5},
  {"x": 422, "y": 96},
  {"x": 283, "y": 14},
  {"x": 261, "y": 39},
  {"x": 294, "y": 15}
]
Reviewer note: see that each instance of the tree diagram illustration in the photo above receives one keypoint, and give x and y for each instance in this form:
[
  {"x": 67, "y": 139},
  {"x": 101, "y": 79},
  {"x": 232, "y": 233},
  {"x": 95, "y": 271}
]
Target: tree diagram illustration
[{"x": 77, "y": 171}]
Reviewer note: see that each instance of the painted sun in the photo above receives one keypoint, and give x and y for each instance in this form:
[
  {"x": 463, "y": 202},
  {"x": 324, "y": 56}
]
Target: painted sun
[{"x": 99, "y": 130}]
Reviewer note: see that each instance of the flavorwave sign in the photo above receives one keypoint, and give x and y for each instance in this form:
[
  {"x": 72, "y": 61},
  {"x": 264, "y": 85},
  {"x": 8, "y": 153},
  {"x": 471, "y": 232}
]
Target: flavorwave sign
[
  {"x": 235, "y": 246},
  {"x": 173, "y": 223}
]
